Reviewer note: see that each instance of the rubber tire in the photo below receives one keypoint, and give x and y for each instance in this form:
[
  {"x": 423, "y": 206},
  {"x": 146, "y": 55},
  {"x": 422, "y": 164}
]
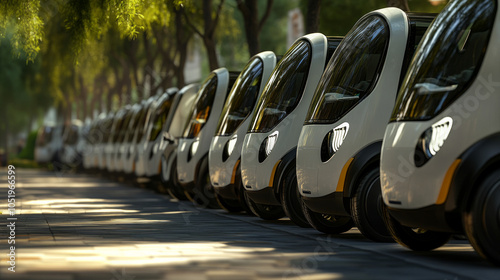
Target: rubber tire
[
  {"x": 409, "y": 238},
  {"x": 482, "y": 219},
  {"x": 230, "y": 205},
  {"x": 291, "y": 200},
  {"x": 240, "y": 191},
  {"x": 265, "y": 212},
  {"x": 173, "y": 187},
  {"x": 204, "y": 194},
  {"x": 325, "y": 223},
  {"x": 366, "y": 208}
]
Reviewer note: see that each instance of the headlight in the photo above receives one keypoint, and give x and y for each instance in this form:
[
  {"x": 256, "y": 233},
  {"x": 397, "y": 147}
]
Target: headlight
[
  {"x": 431, "y": 141},
  {"x": 229, "y": 147},
  {"x": 267, "y": 146},
  {"x": 193, "y": 149},
  {"x": 333, "y": 140}
]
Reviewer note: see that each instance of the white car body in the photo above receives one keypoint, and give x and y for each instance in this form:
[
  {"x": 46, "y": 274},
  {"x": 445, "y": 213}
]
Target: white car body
[
  {"x": 145, "y": 145},
  {"x": 357, "y": 131},
  {"x": 122, "y": 148},
  {"x": 192, "y": 150},
  {"x": 176, "y": 129},
  {"x": 130, "y": 150},
  {"x": 440, "y": 158},
  {"x": 463, "y": 123},
  {"x": 109, "y": 148},
  {"x": 258, "y": 177},
  {"x": 73, "y": 144},
  {"x": 48, "y": 142},
  {"x": 173, "y": 128},
  {"x": 93, "y": 138},
  {"x": 99, "y": 148},
  {"x": 222, "y": 170}
]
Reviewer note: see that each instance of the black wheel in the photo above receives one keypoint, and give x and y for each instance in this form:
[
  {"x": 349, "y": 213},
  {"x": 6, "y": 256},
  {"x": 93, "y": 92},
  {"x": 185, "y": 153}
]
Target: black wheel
[
  {"x": 242, "y": 199},
  {"x": 204, "y": 194},
  {"x": 172, "y": 186},
  {"x": 240, "y": 191},
  {"x": 327, "y": 223},
  {"x": 366, "y": 208},
  {"x": 230, "y": 205},
  {"x": 417, "y": 239},
  {"x": 482, "y": 220},
  {"x": 292, "y": 200},
  {"x": 266, "y": 212}
]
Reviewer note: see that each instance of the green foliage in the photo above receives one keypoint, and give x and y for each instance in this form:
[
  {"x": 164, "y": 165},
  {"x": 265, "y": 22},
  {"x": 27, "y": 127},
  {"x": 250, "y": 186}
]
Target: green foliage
[
  {"x": 19, "y": 99},
  {"x": 27, "y": 163},
  {"x": 83, "y": 19},
  {"x": 23, "y": 20},
  {"x": 28, "y": 151},
  {"x": 338, "y": 17},
  {"x": 274, "y": 32}
]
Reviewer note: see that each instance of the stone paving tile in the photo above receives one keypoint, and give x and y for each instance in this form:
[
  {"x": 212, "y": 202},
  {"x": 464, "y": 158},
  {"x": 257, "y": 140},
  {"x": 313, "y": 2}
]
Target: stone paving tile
[{"x": 81, "y": 227}]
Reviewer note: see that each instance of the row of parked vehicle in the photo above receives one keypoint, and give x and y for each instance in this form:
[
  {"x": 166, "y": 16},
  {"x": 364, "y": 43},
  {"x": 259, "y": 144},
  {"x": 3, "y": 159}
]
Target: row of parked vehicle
[{"x": 390, "y": 129}]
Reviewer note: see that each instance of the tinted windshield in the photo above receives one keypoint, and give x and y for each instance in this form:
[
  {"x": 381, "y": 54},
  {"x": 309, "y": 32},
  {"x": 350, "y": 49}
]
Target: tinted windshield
[
  {"x": 203, "y": 106},
  {"x": 160, "y": 116},
  {"x": 284, "y": 88},
  {"x": 123, "y": 129},
  {"x": 242, "y": 98},
  {"x": 106, "y": 128},
  {"x": 447, "y": 60},
  {"x": 117, "y": 127},
  {"x": 133, "y": 124},
  {"x": 352, "y": 71},
  {"x": 141, "y": 123}
]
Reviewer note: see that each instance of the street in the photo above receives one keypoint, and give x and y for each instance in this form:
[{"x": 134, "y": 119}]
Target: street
[{"x": 79, "y": 226}]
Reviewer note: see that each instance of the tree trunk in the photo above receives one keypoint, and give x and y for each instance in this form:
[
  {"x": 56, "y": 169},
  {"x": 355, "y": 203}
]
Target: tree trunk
[
  {"x": 253, "y": 26},
  {"x": 213, "y": 61},
  {"x": 6, "y": 144},
  {"x": 250, "y": 16},
  {"x": 182, "y": 46},
  {"x": 83, "y": 96},
  {"x": 402, "y": 4},
  {"x": 312, "y": 16}
]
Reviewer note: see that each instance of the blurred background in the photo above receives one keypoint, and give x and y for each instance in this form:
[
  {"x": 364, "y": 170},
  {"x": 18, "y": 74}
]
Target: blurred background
[{"x": 73, "y": 59}]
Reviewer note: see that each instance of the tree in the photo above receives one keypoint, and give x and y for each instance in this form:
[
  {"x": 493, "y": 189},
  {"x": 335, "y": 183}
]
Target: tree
[
  {"x": 402, "y": 4},
  {"x": 312, "y": 16},
  {"x": 210, "y": 23},
  {"x": 253, "y": 26},
  {"x": 21, "y": 102}
]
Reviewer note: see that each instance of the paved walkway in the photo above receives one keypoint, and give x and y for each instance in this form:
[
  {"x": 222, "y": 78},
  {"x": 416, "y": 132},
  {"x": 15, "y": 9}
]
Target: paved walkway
[{"x": 74, "y": 226}]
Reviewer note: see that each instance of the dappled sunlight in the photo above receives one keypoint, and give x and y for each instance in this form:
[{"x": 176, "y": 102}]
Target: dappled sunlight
[
  {"x": 73, "y": 211},
  {"x": 64, "y": 184},
  {"x": 68, "y": 200},
  {"x": 133, "y": 255},
  {"x": 115, "y": 222}
]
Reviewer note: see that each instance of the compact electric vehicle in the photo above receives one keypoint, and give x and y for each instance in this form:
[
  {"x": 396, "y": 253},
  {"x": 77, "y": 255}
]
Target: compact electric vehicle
[
  {"x": 171, "y": 135},
  {"x": 148, "y": 147},
  {"x": 136, "y": 129},
  {"x": 166, "y": 128},
  {"x": 92, "y": 139},
  {"x": 100, "y": 146},
  {"x": 440, "y": 156},
  {"x": 192, "y": 152},
  {"x": 48, "y": 142},
  {"x": 112, "y": 139},
  {"x": 269, "y": 147},
  {"x": 126, "y": 134},
  {"x": 73, "y": 144},
  {"x": 225, "y": 150},
  {"x": 338, "y": 154}
]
